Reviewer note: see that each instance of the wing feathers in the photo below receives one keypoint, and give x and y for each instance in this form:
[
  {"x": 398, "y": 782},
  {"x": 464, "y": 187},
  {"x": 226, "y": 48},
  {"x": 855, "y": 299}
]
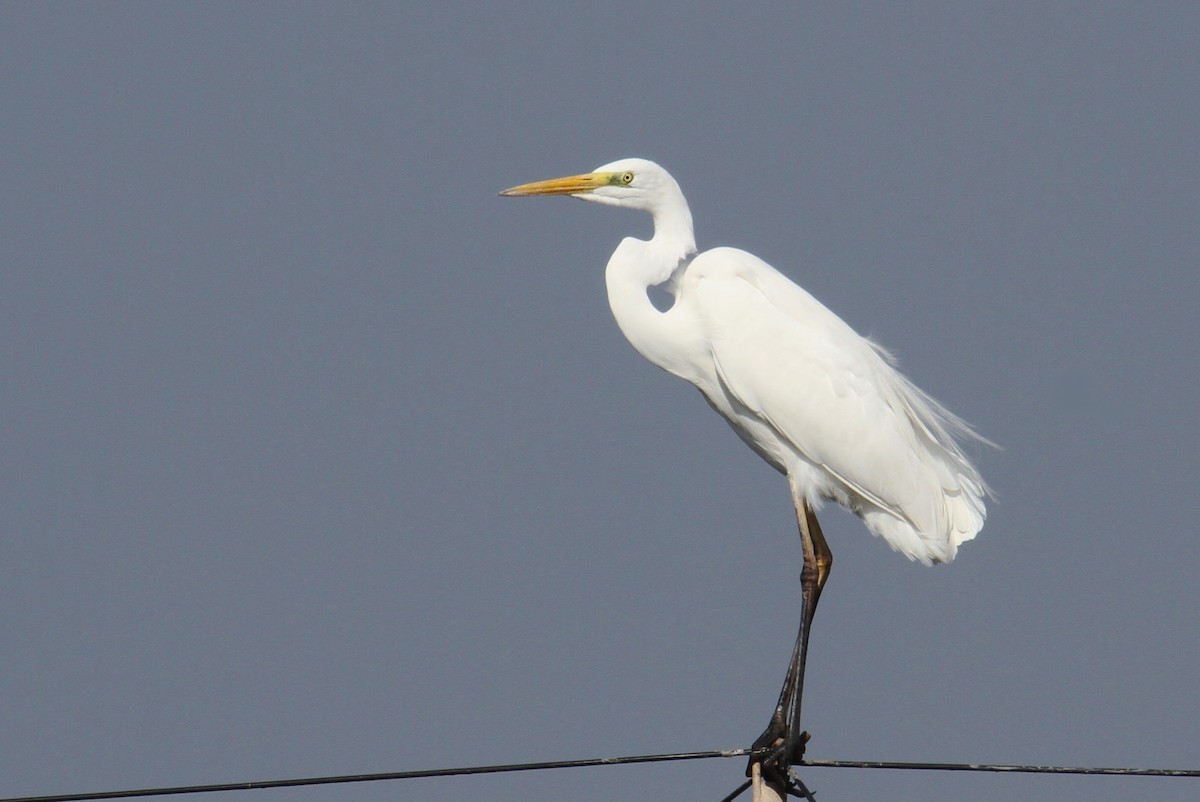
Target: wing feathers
[{"x": 826, "y": 401}]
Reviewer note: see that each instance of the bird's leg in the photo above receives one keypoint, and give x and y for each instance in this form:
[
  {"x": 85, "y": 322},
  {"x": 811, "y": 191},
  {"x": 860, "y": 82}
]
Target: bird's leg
[{"x": 782, "y": 742}]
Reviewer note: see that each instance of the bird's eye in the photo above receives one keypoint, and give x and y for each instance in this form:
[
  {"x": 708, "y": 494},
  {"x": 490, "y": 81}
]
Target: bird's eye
[{"x": 627, "y": 178}]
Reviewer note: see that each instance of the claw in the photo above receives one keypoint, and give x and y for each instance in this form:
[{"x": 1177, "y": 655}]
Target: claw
[
  {"x": 798, "y": 750},
  {"x": 777, "y": 751}
]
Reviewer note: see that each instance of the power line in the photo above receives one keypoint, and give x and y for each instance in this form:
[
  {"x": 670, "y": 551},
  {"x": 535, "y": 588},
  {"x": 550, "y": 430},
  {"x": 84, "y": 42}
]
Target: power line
[
  {"x": 1012, "y": 769},
  {"x": 391, "y": 775},
  {"x": 599, "y": 761}
]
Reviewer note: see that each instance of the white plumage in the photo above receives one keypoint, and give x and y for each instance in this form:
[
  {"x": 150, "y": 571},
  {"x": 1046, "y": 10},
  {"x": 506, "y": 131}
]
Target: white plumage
[
  {"x": 822, "y": 404},
  {"x": 826, "y": 407}
]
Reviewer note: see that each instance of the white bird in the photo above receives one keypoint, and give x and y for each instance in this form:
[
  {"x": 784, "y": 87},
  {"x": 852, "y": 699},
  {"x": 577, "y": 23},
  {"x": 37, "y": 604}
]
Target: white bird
[{"x": 823, "y": 405}]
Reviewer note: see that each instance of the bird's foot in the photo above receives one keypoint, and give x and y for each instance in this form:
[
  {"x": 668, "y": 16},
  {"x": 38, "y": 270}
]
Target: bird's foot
[{"x": 777, "y": 750}]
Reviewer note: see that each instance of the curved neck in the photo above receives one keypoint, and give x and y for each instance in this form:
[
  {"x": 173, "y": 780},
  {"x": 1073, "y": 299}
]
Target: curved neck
[
  {"x": 635, "y": 266},
  {"x": 673, "y": 233}
]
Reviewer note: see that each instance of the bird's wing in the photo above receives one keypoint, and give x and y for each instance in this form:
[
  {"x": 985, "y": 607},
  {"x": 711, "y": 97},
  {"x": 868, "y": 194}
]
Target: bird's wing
[{"x": 815, "y": 383}]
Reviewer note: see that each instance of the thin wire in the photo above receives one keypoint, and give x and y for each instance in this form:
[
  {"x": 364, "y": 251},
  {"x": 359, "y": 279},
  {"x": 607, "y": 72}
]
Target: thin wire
[
  {"x": 392, "y": 775},
  {"x": 881, "y": 764},
  {"x": 736, "y": 792},
  {"x": 599, "y": 761}
]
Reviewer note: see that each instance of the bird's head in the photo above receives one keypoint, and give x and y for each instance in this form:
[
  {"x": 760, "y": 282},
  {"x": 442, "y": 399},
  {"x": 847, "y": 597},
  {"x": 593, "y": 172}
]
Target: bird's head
[{"x": 630, "y": 183}]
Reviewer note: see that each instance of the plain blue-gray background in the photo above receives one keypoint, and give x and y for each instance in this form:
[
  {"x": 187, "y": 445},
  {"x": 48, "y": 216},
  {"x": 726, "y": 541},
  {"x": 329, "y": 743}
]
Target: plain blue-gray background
[{"x": 320, "y": 458}]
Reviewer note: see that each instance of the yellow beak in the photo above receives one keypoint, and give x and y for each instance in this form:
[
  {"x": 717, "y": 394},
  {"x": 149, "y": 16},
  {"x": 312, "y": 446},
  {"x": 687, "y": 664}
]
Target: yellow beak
[{"x": 568, "y": 185}]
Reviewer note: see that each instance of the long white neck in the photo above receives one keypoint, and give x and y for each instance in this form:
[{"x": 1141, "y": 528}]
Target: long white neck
[{"x": 635, "y": 266}]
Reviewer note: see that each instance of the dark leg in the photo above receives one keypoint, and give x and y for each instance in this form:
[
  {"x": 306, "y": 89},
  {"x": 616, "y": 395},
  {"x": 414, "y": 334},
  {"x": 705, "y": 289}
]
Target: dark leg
[{"x": 782, "y": 742}]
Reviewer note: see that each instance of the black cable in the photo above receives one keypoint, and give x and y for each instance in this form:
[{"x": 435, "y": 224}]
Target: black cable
[
  {"x": 600, "y": 761},
  {"x": 881, "y": 764},
  {"x": 392, "y": 775},
  {"x": 736, "y": 792}
]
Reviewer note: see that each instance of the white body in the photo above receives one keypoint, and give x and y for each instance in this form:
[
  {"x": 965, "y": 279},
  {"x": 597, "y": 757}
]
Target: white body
[{"x": 817, "y": 401}]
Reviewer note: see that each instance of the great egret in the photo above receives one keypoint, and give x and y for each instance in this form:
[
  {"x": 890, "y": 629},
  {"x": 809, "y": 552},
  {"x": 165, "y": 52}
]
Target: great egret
[{"x": 823, "y": 405}]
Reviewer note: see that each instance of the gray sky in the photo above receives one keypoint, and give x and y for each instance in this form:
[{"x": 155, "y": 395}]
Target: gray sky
[{"x": 320, "y": 458}]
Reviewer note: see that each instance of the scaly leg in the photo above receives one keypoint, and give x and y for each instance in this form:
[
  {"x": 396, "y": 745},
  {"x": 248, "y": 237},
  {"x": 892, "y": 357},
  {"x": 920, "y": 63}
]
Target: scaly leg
[{"x": 782, "y": 742}]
